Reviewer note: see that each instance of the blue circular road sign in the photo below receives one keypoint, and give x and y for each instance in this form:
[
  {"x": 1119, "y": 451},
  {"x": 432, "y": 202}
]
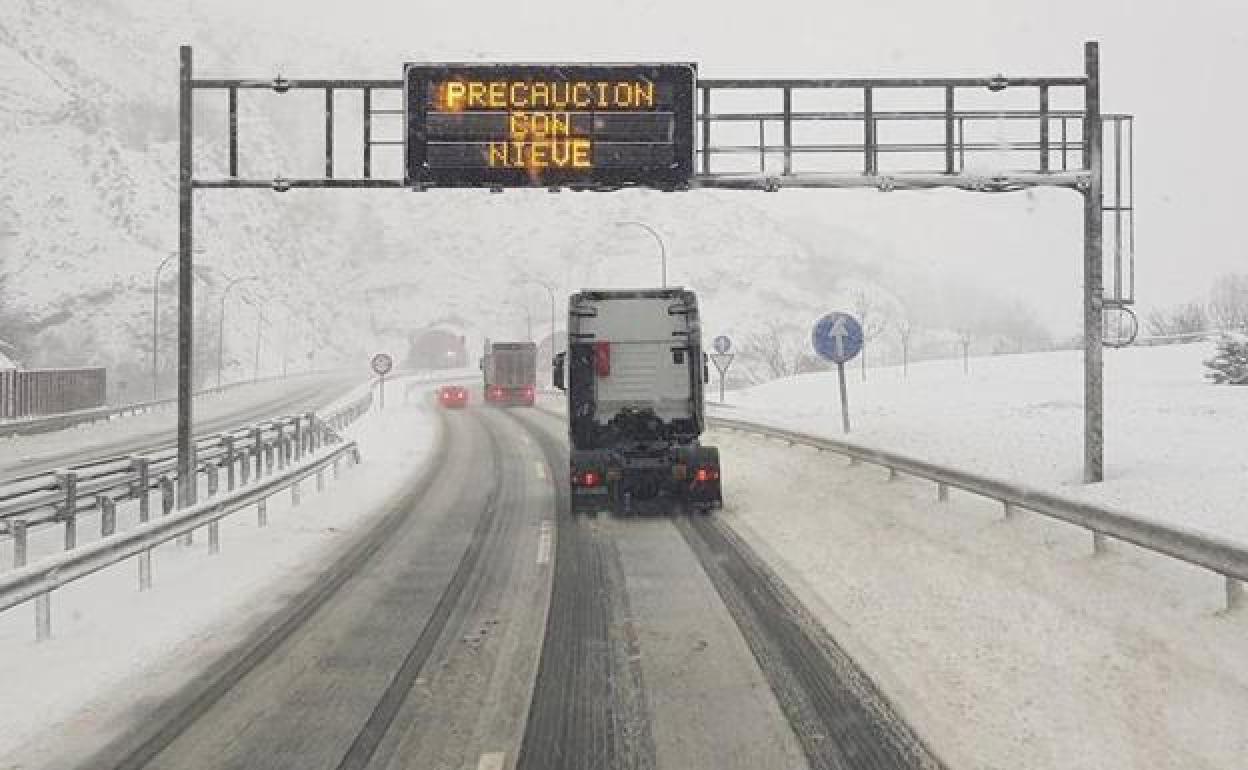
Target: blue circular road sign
[
  {"x": 837, "y": 337},
  {"x": 722, "y": 344}
]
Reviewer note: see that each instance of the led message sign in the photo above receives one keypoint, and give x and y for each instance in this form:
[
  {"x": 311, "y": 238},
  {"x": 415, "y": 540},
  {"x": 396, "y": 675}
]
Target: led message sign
[{"x": 548, "y": 125}]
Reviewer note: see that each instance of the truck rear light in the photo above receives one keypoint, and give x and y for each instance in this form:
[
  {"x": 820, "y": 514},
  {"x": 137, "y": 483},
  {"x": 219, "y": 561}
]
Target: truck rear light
[
  {"x": 589, "y": 479},
  {"x": 602, "y": 358},
  {"x": 706, "y": 474}
]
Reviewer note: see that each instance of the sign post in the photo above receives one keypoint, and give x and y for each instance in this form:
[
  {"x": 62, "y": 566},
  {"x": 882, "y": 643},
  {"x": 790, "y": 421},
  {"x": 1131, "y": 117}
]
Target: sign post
[
  {"x": 837, "y": 337},
  {"x": 722, "y": 360},
  {"x": 382, "y": 364}
]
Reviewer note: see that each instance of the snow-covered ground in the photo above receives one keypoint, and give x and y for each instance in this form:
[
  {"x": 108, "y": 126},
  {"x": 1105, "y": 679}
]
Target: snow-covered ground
[
  {"x": 106, "y": 633},
  {"x": 1176, "y": 447},
  {"x": 1006, "y": 644}
]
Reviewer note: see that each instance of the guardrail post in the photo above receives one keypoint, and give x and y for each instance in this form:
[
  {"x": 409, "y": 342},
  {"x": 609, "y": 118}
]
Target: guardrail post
[
  {"x": 108, "y": 515},
  {"x": 280, "y": 443},
  {"x": 166, "y": 495},
  {"x": 230, "y": 459},
  {"x": 143, "y": 481},
  {"x": 262, "y": 512},
  {"x": 145, "y": 570},
  {"x": 214, "y": 537},
  {"x": 244, "y": 468},
  {"x": 320, "y": 479},
  {"x": 1010, "y": 509},
  {"x": 1099, "y": 544},
  {"x": 355, "y": 455},
  {"x": 299, "y": 438},
  {"x": 854, "y": 460},
  {"x": 214, "y": 479},
  {"x": 335, "y": 464},
  {"x": 68, "y": 481},
  {"x": 258, "y": 449},
  {"x": 18, "y": 527},
  {"x": 43, "y": 617},
  {"x": 893, "y": 475},
  {"x": 269, "y": 459},
  {"x": 1234, "y": 594},
  {"x": 294, "y": 494},
  {"x": 942, "y": 492}
]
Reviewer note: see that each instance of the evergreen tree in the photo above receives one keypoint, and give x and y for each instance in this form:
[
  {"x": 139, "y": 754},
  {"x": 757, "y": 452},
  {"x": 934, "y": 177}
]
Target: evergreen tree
[{"x": 1230, "y": 365}]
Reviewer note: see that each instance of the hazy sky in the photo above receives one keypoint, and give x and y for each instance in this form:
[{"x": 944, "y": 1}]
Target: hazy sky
[{"x": 1176, "y": 66}]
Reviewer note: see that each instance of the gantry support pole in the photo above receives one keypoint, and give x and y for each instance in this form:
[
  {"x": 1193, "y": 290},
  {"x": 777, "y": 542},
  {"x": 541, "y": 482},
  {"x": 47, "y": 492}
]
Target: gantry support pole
[
  {"x": 186, "y": 312},
  {"x": 1093, "y": 288}
]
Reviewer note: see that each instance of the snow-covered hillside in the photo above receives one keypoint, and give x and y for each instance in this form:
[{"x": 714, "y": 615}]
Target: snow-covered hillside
[{"x": 88, "y": 210}]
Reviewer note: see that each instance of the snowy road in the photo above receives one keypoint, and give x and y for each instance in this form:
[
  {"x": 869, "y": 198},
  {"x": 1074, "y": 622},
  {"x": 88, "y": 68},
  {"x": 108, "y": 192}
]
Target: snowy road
[{"x": 474, "y": 622}]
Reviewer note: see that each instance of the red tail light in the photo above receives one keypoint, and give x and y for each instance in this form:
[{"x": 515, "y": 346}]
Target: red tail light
[
  {"x": 602, "y": 358},
  {"x": 706, "y": 474},
  {"x": 590, "y": 479}
]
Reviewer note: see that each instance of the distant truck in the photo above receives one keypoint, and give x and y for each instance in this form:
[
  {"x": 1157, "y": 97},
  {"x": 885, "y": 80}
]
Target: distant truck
[
  {"x": 509, "y": 370},
  {"x": 633, "y": 374}
]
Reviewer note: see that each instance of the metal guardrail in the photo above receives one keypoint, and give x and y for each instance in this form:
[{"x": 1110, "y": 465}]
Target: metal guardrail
[
  {"x": 254, "y": 452},
  {"x": 39, "y": 580},
  {"x": 1224, "y": 557},
  {"x": 52, "y": 422},
  {"x": 62, "y": 496}
]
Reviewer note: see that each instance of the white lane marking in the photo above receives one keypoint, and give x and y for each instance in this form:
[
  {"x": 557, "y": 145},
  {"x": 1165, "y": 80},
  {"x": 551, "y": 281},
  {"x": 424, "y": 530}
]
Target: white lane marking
[
  {"x": 491, "y": 761},
  {"x": 544, "y": 537},
  {"x": 541, "y": 469}
]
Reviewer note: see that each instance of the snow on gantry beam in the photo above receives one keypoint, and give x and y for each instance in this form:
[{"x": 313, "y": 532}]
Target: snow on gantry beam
[{"x": 888, "y": 182}]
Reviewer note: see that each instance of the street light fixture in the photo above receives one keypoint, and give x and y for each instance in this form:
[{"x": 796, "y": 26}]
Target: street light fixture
[
  {"x": 221, "y": 323},
  {"x": 658, "y": 239}
]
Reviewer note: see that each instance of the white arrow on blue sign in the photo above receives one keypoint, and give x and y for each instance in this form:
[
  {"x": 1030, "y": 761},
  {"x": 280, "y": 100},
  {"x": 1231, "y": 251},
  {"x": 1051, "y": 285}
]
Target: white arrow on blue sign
[
  {"x": 837, "y": 337},
  {"x": 722, "y": 344}
]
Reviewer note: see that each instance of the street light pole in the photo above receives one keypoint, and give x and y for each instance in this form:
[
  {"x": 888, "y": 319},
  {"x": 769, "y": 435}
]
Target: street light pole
[
  {"x": 658, "y": 238},
  {"x": 221, "y": 321},
  {"x": 260, "y": 320},
  {"x": 156, "y": 319},
  {"x": 156, "y": 323}
]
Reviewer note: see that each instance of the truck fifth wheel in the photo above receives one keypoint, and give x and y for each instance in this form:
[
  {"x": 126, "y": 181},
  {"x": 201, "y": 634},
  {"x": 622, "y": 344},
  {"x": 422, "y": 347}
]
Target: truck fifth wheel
[{"x": 634, "y": 382}]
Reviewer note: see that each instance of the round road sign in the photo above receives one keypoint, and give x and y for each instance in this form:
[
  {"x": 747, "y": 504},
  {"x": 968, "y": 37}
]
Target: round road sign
[
  {"x": 722, "y": 344},
  {"x": 837, "y": 337},
  {"x": 382, "y": 364}
]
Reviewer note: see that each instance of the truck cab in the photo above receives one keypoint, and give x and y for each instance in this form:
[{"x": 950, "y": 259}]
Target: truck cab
[{"x": 633, "y": 374}]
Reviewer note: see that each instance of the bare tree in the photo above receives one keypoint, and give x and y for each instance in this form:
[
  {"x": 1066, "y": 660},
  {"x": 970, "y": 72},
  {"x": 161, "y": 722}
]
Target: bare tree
[
  {"x": 870, "y": 313},
  {"x": 905, "y": 328},
  {"x": 776, "y": 350},
  {"x": 1228, "y": 302},
  {"x": 964, "y": 339},
  {"x": 1180, "y": 319}
]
